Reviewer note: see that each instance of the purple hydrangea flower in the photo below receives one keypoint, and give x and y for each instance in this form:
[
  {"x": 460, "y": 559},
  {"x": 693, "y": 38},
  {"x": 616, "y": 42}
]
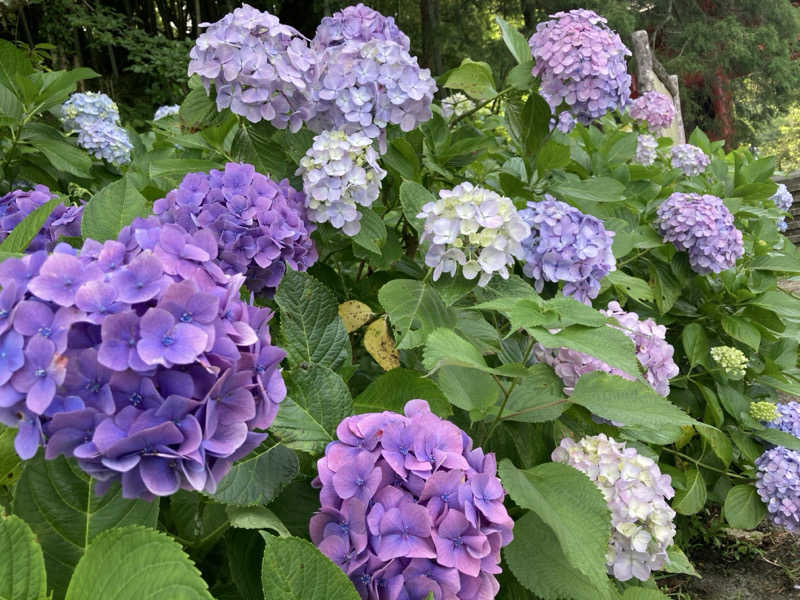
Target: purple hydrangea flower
[
  {"x": 565, "y": 122},
  {"x": 166, "y": 111},
  {"x": 788, "y": 418},
  {"x": 566, "y": 245},
  {"x": 636, "y": 491},
  {"x": 357, "y": 23},
  {"x": 409, "y": 506},
  {"x": 64, "y": 221},
  {"x": 702, "y": 226},
  {"x": 646, "y": 146},
  {"x": 691, "y": 160},
  {"x": 654, "y": 109},
  {"x": 783, "y": 199},
  {"x": 475, "y": 228},
  {"x": 778, "y": 485},
  {"x": 581, "y": 61}
]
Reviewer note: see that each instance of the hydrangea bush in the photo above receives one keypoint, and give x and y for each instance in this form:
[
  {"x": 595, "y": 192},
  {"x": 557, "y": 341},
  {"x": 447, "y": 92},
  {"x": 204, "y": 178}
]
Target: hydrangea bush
[{"x": 256, "y": 302}]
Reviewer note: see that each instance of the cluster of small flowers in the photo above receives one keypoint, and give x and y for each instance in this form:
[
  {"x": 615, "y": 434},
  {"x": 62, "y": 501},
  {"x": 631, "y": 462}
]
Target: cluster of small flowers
[
  {"x": 63, "y": 221},
  {"x": 581, "y": 62},
  {"x": 166, "y": 111},
  {"x": 340, "y": 172},
  {"x": 787, "y": 418},
  {"x": 137, "y": 358},
  {"x": 566, "y": 245},
  {"x": 475, "y": 228},
  {"x": 96, "y": 119},
  {"x": 456, "y": 104},
  {"x": 766, "y": 411},
  {"x": 410, "y": 508},
  {"x": 702, "y": 226},
  {"x": 360, "y": 24},
  {"x": 653, "y": 108},
  {"x": 646, "y": 146},
  {"x": 652, "y": 350},
  {"x": 778, "y": 485},
  {"x": 258, "y": 225},
  {"x": 565, "y": 122},
  {"x": 636, "y": 491},
  {"x": 783, "y": 200},
  {"x": 691, "y": 160},
  {"x": 731, "y": 360}
]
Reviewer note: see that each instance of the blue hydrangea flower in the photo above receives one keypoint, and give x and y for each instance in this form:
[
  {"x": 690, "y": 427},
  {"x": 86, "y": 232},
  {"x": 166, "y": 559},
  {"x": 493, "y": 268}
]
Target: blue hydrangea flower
[
  {"x": 788, "y": 418},
  {"x": 83, "y": 109},
  {"x": 783, "y": 200},
  {"x": 691, "y": 160},
  {"x": 165, "y": 111},
  {"x": 778, "y": 485},
  {"x": 95, "y": 118}
]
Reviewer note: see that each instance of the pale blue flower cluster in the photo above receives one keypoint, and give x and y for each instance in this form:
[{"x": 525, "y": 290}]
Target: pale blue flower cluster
[
  {"x": 783, "y": 200},
  {"x": 166, "y": 111},
  {"x": 691, "y": 160},
  {"x": 94, "y": 116},
  {"x": 646, "y": 146}
]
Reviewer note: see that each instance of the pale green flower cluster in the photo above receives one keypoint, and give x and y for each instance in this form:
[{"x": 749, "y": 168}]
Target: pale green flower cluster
[
  {"x": 731, "y": 360},
  {"x": 763, "y": 411}
]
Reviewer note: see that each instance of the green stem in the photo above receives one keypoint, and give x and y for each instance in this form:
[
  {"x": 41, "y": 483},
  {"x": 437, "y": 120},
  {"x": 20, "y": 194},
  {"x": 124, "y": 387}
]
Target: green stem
[
  {"x": 632, "y": 258},
  {"x": 705, "y": 466},
  {"x": 472, "y": 111}
]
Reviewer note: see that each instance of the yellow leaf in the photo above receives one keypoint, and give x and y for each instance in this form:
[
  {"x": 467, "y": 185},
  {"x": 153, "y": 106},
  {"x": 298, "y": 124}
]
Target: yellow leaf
[
  {"x": 380, "y": 345},
  {"x": 354, "y": 314}
]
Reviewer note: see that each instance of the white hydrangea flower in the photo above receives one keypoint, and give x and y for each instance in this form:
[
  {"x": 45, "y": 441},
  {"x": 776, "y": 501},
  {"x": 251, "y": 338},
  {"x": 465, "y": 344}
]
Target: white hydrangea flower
[{"x": 646, "y": 146}]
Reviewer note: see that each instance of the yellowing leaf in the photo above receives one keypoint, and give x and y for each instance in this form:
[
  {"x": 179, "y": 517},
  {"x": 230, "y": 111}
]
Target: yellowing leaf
[
  {"x": 354, "y": 314},
  {"x": 380, "y": 345}
]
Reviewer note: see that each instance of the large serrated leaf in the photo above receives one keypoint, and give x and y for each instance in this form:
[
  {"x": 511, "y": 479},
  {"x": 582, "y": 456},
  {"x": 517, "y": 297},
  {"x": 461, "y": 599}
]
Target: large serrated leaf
[
  {"x": 537, "y": 398},
  {"x": 392, "y": 390},
  {"x": 259, "y": 477},
  {"x": 132, "y": 563},
  {"x": 413, "y": 197},
  {"x": 22, "y": 574},
  {"x": 415, "y": 310},
  {"x": 692, "y": 498},
  {"x": 444, "y": 347},
  {"x": 59, "y": 502},
  {"x": 515, "y": 41},
  {"x": 743, "y": 508},
  {"x": 111, "y": 209}
]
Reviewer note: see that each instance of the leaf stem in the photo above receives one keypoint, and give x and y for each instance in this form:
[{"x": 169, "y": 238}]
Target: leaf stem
[
  {"x": 480, "y": 106},
  {"x": 705, "y": 466}
]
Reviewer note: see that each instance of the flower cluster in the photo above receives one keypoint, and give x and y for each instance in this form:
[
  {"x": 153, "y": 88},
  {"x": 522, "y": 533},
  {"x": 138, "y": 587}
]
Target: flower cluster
[
  {"x": 702, "y": 226},
  {"x": 166, "y": 111},
  {"x": 778, "y": 485},
  {"x": 646, "y": 146},
  {"x": 456, "y": 104},
  {"x": 64, "y": 221},
  {"x": 565, "y": 122},
  {"x": 691, "y": 160},
  {"x": 783, "y": 200},
  {"x": 410, "y": 507},
  {"x": 767, "y": 412},
  {"x": 653, "y": 108},
  {"x": 260, "y": 68},
  {"x": 357, "y": 23},
  {"x": 137, "y": 358},
  {"x": 566, "y": 245},
  {"x": 787, "y": 418},
  {"x": 259, "y": 226},
  {"x": 581, "y": 62},
  {"x": 652, "y": 350},
  {"x": 95, "y": 118},
  {"x": 731, "y": 360},
  {"x": 340, "y": 172},
  {"x": 636, "y": 491},
  {"x": 475, "y": 228}
]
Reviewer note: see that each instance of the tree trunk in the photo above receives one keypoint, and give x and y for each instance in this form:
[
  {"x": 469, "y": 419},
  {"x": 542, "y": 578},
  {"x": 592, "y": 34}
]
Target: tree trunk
[
  {"x": 529, "y": 16},
  {"x": 431, "y": 49},
  {"x": 722, "y": 100}
]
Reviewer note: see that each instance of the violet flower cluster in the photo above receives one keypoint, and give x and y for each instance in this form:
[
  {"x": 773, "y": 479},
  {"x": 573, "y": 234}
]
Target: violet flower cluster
[
  {"x": 691, "y": 160},
  {"x": 357, "y": 23},
  {"x": 646, "y": 146},
  {"x": 565, "y": 122},
  {"x": 702, "y": 226},
  {"x": 258, "y": 225},
  {"x": 581, "y": 61},
  {"x": 642, "y": 523},
  {"x": 95, "y": 118},
  {"x": 787, "y": 419},
  {"x": 654, "y": 109},
  {"x": 778, "y": 485},
  {"x": 783, "y": 201},
  {"x": 653, "y": 352},
  {"x": 475, "y": 228},
  {"x": 566, "y": 245},
  {"x": 137, "y": 358},
  {"x": 64, "y": 221},
  {"x": 340, "y": 173},
  {"x": 166, "y": 111},
  {"x": 409, "y": 507}
]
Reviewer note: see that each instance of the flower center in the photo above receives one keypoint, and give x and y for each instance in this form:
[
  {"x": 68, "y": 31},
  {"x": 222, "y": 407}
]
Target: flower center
[
  {"x": 45, "y": 331},
  {"x": 186, "y": 317},
  {"x": 136, "y": 399},
  {"x": 167, "y": 340},
  {"x": 40, "y": 372}
]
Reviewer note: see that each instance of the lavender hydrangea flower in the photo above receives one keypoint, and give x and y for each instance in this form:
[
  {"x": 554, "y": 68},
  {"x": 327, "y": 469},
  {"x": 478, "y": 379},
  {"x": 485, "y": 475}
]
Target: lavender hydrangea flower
[
  {"x": 646, "y": 146},
  {"x": 340, "y": 172},
  {"x": 787, "y": 419},
  {"x": 475, "y": 228},
  {"x": 566, "y": 245},
  {"x": 409, "y": 504},
  {"x": 691, "y": 160},
  {"x": 85, "y": 108},
  {"x": 166, "y": 111},
  {"x": 64, "y": 221},
  {"x": 778, "y": 485},
  {"x": 654, "y": 109},
  {"x": 783, "y": 200},
  {"x": 581, "y": 61},
  {"x": 565, "y": 122},
  {"x": 636, "y": 491},
  {"x": 261, "y": 69},
  {"x": 258, "y": 225},
  {"x": 653, "y": 352},
  {"x": 357, "y": 23},
  {"x": 702, "y": 226}
]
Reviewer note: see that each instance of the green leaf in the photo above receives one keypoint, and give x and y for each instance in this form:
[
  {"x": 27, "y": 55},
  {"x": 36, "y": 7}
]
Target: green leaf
[
  {"x": 13, "y": 62},
  {"x": 402, "y": 157},
  {"x": 180, "y": 166},
  {"x": 21, "y": 236},
  {"x": 534, "y": 125},
  {"x": 59, "y": 502},
  {"x": 293, "y": 569},
  {"x": 779, "y": 438},
  {"x": 256, "y": 517},
  {"x": 467, "y": 388},
  {"x": 692, "y": 498},
  {"x": 572, "y": 506},
  {"x": 635, "y": 288},
  {"x": 60, "y": 84},
  {"x": 10, "y": 462},
  {"x": 310, "y": 323},
  {"x": 394, "y": 388},
  {"x": 372, "y": 234},
  {"x": 197, "y": 108},
  {"x": 719, "y": 442},
  {"x": 10, "y": 107},
  {"x": 779, "y": 263},
  {"x": 446, "y": 347},
  {"x": 779, "y": 302},
  {"x": 552, "y": 156},
  {"x": 537, "y": 398},
  {"x": 742, "y": 330},
  {"x": 695, "y": 344},
  {"x": 244, "y": 550},
  {"x": 111, "y": 209},
  {"x": 640, "y": 593},
  {"x": 630, "y": 402},
  {"x": 678, "y": 562},
  {"x": 22, "y": 574},
  {"x": 595, "y": 189},
  {"x": 63, "y": 155},
  {"x": 413, "y": 197},
  {"x": 254, "y": 144},
  {"x": 474, "y": 78},
  {"x": 666, "y": 287},
  {"x": 515, "y": 41},
  {"x": 132, "y": 563},
  {"x": 743, "y": 509},
  {"x": 259, "y": 477},
  {"x": 415, "y": 309},
  {"x": 318, "y": 400},
  {"x": 623, "y": 149}
]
